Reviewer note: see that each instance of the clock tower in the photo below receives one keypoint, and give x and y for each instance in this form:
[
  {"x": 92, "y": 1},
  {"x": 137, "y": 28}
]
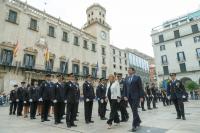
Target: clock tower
[{"x": 96, "y": 25}]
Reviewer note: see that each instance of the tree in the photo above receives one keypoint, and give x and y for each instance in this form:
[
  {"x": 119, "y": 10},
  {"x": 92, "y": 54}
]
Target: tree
[{"x": 191, "y": 85}]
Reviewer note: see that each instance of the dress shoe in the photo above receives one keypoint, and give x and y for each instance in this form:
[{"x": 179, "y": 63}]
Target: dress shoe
[
  {"x": 73, "y": 125},
  {"x": 68, "y": 125},
  {"x": 10, "y": 113},
  {"x": 87, "y": 122},
  {"x": 42, "y": 120},
  {"x": 56, "y": 123},
  {"x": 184, "y": 118},
  {"x": 178, "y": 117},
  {"x": 103, "y": 118},
  {"x": 149, "y": 108},
  {"x": 143, "y": 109},
  {"x": 13, "y": 113},
  {"x": 91, "y": 121},
  {"x": 47, "y": 120},
  {"x": 60, "y": 122},
  {"x": 132, "y": 130}
]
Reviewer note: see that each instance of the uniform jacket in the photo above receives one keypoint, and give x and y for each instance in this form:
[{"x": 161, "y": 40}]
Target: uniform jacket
[
  {"x": 59, "y": 92},
  {"x": 71, "y": 92},
  {"x": 20, "y": 93},
  {"x": 13, "y": 95},
  {"x": 88, "y": 91},
  {"x": 46, "y": 90},
  {"x": 34, "y": 93},
  {"x": 101, "y": 91},
  {"x": 175, "y": 89},
  {"x": 26, "y": 94}
]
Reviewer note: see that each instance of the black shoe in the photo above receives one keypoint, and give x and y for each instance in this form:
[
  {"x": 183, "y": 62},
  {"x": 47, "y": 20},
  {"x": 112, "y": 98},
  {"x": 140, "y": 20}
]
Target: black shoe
[
  {"x": 13, "y": 113},
  {"x": 149, "y": 108},
  {"x": 183, "y": 118},
  {"x": 76, "y": 120},
  {"x": 42, "y": 120},
  {"x": 73, "y": 125},
  {"x": 10, "y": 113},
  {"x": 91, "y": 121},
  {"x": 178, "y": 117},
  {"x": 60, "y": 122},
  {"x": 143, "y": 109},
  {"x": 47, "y": 120},
  {"x": 31, "y": 118},
  {"x": 56, "y": 123},
  {"x": 68, "y": 125},
  {"x": 123, "y": 120},
  {"x": 87, "y": 122},
  {"x": 132, "y": 130},
  {"x": 103, "y": 118}
]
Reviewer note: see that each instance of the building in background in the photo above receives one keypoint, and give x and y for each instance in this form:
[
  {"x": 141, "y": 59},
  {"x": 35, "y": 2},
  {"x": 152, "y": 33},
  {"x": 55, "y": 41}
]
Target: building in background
[
  {"x": 33, "y": 43},
  {"x": 176, "y": 45}
]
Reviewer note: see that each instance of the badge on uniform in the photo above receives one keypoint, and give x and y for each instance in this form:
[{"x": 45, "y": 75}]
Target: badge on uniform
[
  {"x": 57, "y": 86},
  {"x": 88, "y": 85},
  {"x": 45, "y": 85},
  {"x": 70, "y": 85},
  {"x": 177, "y": 84}
]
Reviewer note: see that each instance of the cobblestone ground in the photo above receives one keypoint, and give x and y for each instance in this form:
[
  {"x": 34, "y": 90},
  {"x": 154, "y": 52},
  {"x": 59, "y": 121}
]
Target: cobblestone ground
[{"x": 161, "y": 120}]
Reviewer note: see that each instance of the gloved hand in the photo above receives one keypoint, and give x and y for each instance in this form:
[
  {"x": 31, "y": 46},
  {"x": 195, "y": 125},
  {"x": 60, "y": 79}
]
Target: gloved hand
[
  {"x": 54, "y": 101},
  {"x": 168, "y": 97},
  {"x": 25, "y": 102},
  {"x": 183, "y": 96},
  {"x": 10, "y": 101},
  {"x": 101, "y": 100},
  {"x": 65, "y": 101},
  {"x": 87, "y": 100},
  {"x": 17, "y": 100},
  {"x": 30, "y": 100},
  {"x": 118, "y": 100},
  {"x": 40, "y": 100}
]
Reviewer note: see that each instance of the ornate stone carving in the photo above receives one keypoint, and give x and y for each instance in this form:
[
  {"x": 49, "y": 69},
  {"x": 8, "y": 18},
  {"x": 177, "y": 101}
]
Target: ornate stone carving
[{"x": 41, "y": 43}]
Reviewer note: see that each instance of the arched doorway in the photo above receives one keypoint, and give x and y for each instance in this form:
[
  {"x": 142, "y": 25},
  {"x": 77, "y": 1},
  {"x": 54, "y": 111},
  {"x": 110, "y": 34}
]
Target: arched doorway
[{"x": 185, "y": 79}]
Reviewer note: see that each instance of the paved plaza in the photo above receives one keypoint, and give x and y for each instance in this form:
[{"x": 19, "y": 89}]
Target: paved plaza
[{"x": 161, "y": 120}]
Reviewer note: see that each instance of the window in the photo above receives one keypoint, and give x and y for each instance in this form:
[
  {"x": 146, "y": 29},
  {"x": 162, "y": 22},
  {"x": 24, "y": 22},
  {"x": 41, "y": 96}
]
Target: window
[
  {"x": 113, "y": 51},
  {"x": 120, "y": 61},
  {"x": 162, "y": 47},
  {"x": 114, "y": 60},
  {"x": 120, "y": 67},
  {"x": 29, "y": 61},
  {"x": 33, "y": 24},
  {"x": 181, "y": 56},
  {"x": 6, "y": 57},
  {"x": 165, "y": 70},
  {"x": 103, "y": 61},
  {"x": 126, "y": 69},
  {"x": 12, "y": 16},
  {"x": 103, "y": 51},
  {"x": 198, "y": 52},
  {"x": 99, "y": 13},
  {"x": 178, "y": 43},
  {"x": 51, "y": 31},
  {"x": 75, "y": 69},
  {"x": 85, "y": 70},
  {"x": 76, "y": 40},
  {"x": 104, "y": 74},
  {"x": 64, "y": 67},
  {"x": 196, "y": 39},
  {"x": 49, "y": 65},
  {"x": 85, "y": 44},
  {"x": 125, "y": 55},
  {"x": 65, "y": 36},
  {"x": 176, "y": 34},
  {"x": 119, "y": 53},
  {"x": 93, "y": 47},
  {"x": 182, "y": 67},
  {"x": 161, "y": 38},
  {"x": 114, "y": 66},
  {"x": 125, "y": 62},
  {"x": 164, "y": 59},
  {"x": 92, "y": 13},
  {"x": 195, "y": 28},
  {"x": 94, "y": 72}
]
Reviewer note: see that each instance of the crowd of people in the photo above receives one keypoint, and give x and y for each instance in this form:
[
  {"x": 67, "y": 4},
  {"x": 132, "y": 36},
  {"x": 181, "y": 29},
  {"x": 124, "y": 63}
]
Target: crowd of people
[{"x": 64, "y": 96}]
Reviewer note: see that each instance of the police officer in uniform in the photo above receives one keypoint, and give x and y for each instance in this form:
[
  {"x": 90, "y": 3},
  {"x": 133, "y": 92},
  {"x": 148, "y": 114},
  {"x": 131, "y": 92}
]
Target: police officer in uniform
[
  {"x": 13, "y": 102},
  {"x": 77, "y": 98},
  {"x": 88, "y": 93},
  {"x": 20, "y": 99},
  {"x": 148, "y": 96},
  {"x": 71, "y": 92},
  {"x": 58, "y": 98},
  {"x": 46, "y": 96},
  {"x": 101, "y": 96},
  {"x": 33, "y": 99},
  {"x": 26, "y": 100},
  {"x": 176, "y": 91}
]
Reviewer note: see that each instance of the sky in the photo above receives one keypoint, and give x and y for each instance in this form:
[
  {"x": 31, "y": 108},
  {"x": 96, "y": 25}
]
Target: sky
[{"x": 131, "y": 20}]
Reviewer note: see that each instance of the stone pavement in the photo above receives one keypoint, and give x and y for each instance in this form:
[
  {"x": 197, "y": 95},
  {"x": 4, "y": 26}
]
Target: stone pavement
[{"x": 161, "y": 120}]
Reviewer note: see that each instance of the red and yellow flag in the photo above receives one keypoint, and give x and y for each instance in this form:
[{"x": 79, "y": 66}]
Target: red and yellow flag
[
  {"x": 46, "y": 54},
  {"x": 16, "y": 49}
]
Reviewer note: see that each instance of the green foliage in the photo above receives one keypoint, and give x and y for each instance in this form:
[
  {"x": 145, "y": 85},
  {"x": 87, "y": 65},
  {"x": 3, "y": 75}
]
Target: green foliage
[{"x": 191, "y": 85}]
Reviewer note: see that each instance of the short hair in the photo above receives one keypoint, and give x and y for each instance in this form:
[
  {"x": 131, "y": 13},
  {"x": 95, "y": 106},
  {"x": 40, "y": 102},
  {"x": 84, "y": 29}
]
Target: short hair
[{"x": 132, "y": 68}]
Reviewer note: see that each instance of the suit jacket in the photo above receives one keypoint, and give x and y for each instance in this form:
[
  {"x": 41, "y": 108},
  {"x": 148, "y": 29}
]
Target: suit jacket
[
  {"x": 175, "y": 89},
  {"x": 46, "y": 90},
  {"x": 71, "y": 92},
  {"x": 34, "y": 93},
  {"x": 88, "y": 91},
  {"x": 20, "y": 93},
  {"x": 101, "y": 91},
  {"x": 115, "y": 90},
  {"x": 59, "y": 92},
  {"x": 13, "y": 95},
  {"x": 133, "y": 90},
  {"x": 78, "y": 92}
]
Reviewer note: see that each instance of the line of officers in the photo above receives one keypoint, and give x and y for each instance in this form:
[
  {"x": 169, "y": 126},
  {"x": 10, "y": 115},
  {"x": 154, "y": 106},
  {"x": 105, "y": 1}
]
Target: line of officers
[{"x": 62, "y": 95}]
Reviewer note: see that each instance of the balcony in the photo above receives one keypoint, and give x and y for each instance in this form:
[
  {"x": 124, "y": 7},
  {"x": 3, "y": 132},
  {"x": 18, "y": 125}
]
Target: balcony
[{"x": 181, "y": 60}]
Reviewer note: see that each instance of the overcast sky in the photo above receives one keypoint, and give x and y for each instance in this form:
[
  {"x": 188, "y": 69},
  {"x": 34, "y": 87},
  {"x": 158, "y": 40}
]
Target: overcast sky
[{"x": 131, "y": 20}]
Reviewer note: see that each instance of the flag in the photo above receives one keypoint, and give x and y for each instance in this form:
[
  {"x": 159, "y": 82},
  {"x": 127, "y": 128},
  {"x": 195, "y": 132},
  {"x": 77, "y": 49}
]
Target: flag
[
  {"x": 16, "y": 49},
  {"x": 46, "y": 55}
]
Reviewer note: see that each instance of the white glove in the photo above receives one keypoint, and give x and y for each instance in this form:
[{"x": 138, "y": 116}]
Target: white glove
[
  {"x": 183, "y": 96},
  {"x": 101, "y": 100},
  {"x": 168, "y": 97},
  {"x": 106, "y": 100},
  {"x": 55, "y": 101},
  {"x": 30, "y": 100},
  {"x": 147, "y": 95},
  {"x": 87, "y": 100},
  {"x": 10, "y": 101},
  {"x": 65, "y": 101},
  {"x": 98, "y": 99},
  {"x": 24, "y": 101},
  {"x": 125, "y": 98},
  {"x": 152, "y": 96},
  {"x": 40, "y": 100},
  {"x": 118, "y": 100},
  {"x": 17, "y": 100}
]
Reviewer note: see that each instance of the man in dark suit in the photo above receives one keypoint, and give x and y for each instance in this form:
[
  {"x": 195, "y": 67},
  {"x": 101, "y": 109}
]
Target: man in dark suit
[
  {"x": 77, "y": 97},
  {"x": 20, "y": 99},
  {"x": 46, "y": 96},
  {"x": 101, "y": 96},
  {"x": 88, "y": 93},
  {"x": 71, "y": 92},
  {"x": 134, "y": 93},
  {"x": 175, "y": 92},
  {"x": 13, "y": 102},
  {"x": 58, "y": 97},
  {"x": 148, "y": 96}
]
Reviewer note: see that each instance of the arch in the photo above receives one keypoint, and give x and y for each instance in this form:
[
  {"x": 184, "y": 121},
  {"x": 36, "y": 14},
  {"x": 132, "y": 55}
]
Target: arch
[{"x": 185, "y": 79}]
